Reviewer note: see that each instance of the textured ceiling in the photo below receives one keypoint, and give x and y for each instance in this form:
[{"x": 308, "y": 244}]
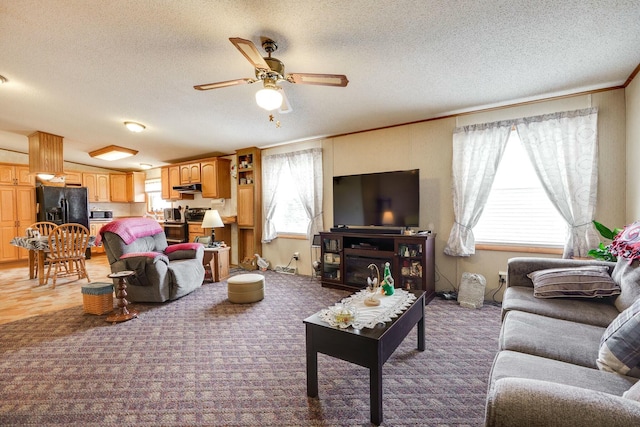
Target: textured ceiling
[{"x": 80, "y": 68}]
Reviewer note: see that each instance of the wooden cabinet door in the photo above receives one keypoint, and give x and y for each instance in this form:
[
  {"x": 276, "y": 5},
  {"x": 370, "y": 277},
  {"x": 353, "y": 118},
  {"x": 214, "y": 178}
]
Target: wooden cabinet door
[
  {"x": 7, "y": 223},
  {"x": 7, "y": 175},
  {"x": 216, "y": 178},
  {"x": 189, "y": 173},
  {"x": 166, "y": 185},
  {"x": 89, "y": 181},
  {"x": 23, "y": 176},
  {"x": 73, "y": 178},
  {"x": 135, "y": 187},
  {"x": 118, "y": 184},
  {"x": 102, "y": 187},
  {"x": 245, "y": 206},
  {"x": 174, "y": 179},
  {"x": 25, "y": 213}
]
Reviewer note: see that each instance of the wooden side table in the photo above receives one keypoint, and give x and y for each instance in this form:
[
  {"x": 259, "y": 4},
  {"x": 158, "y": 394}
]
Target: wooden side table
[
  {"x": 122, "y": 314},
  {"x": 216, "y": 261}
]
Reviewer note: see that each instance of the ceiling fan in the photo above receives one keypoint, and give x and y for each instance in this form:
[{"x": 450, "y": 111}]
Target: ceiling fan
[{"x": 270, "y": 71}]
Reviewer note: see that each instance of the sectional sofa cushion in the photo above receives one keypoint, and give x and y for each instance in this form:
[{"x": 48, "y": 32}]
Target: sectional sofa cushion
[
  {"x": 576, "y": 282},
  {"x": 512, "y": 364},
  {"x": 556, "y": 339},
  {"x": 599, "y": 312},
  {"x": 620, "y": 344}
]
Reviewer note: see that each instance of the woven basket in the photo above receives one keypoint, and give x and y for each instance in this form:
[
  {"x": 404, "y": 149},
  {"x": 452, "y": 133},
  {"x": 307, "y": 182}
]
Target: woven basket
[{"x": 97, "y": 298}]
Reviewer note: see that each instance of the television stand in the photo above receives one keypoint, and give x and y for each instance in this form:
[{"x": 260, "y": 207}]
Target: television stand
[
  {"x": 346, "y": 256},
  {"x": 373, "y": 229}
]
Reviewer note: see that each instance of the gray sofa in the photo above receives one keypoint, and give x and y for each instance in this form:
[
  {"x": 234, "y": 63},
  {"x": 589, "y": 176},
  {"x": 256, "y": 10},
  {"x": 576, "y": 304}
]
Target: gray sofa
[
  {"x": 547, "y": 372},
  {"x": 161, "y": 272}
]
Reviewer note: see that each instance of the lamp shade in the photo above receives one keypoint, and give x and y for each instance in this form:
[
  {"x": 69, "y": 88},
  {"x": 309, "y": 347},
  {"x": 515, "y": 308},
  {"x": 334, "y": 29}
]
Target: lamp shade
[
  {"x": 269, "y": 98},
  {"x": 212, "y": 219}
]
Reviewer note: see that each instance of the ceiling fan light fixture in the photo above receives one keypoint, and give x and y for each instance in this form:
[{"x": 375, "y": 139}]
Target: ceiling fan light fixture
[
  {"x": 269, "y": 98},
  {"x": 135, "y": 127}
]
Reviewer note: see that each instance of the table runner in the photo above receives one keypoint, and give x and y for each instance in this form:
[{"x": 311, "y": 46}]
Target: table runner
[{"x": 391, "y": 306}]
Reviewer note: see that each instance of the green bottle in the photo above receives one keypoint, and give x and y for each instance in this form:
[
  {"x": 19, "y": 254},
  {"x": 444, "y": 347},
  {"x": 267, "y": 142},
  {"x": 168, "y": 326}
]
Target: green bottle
[{"x": 387, "y": 280}]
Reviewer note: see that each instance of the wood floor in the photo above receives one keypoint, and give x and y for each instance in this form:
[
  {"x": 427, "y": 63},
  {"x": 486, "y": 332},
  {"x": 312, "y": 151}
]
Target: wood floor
[{"x": 21, "y": 297}]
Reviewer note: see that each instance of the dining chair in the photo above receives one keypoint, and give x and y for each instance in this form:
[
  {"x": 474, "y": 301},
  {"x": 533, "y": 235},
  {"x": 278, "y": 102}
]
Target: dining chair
[
  {"x": 67, "y": 248},
  {"x": 44, "y": 228}
]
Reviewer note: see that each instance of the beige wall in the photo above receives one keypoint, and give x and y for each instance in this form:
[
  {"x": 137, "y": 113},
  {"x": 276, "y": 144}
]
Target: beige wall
[
  {"x": 427, "y": 146},
  {"x": 632, "y": 95}
]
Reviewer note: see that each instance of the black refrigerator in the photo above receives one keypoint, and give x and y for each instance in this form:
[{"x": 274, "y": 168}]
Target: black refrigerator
[{"x": 62, "y": 205}]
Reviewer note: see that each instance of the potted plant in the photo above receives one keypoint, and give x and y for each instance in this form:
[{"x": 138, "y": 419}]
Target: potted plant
[{"x": 602, "y": 252}]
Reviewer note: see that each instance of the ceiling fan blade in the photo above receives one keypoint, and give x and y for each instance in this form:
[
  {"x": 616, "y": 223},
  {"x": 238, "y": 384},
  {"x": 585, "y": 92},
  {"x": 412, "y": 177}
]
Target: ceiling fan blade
[
  {"x": 249, "y": 50},
  {"x": 286, "y": 105},
  {"x": 228, "y": 83},
  {"x": 339, "y": 80}
]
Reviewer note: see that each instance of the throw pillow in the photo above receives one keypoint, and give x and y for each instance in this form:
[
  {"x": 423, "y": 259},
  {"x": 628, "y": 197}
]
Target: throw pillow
[
  {"x": 633, "y": 393},
  {"x": 626, "y": 273},
  {"x": 620, "y": 345},
  {"x": 578, "y": 282}
]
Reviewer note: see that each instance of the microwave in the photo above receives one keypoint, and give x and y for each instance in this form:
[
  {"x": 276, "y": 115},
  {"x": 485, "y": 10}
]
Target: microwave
[
  {"x": 101, "y": 214},
  {"x": 172, "y": 215}
]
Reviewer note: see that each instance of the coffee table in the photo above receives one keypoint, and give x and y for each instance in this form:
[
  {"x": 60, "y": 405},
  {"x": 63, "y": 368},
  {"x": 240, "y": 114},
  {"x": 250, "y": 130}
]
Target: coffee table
[{"x": 366, "y": 347}]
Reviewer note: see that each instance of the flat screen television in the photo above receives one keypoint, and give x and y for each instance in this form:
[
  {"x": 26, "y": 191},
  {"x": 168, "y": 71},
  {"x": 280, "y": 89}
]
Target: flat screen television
[{"x": 377, "y": 199}]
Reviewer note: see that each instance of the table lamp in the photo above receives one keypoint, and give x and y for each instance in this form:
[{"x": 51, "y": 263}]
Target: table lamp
[{"x": 212, "y": 220}]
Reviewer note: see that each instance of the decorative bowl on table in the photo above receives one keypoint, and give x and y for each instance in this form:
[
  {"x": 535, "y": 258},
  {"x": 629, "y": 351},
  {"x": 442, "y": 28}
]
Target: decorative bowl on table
[{"x": 343, "y": 314}]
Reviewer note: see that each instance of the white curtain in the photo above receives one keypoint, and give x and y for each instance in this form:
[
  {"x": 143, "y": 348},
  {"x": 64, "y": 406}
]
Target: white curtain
[
  {"x": 306, "y": 169},
  {"x": 307, "y": 177},
  {"x": 563, "y": 148},
  {"x": 271, "y": 167},
  {"x": 477, "y": 151}
]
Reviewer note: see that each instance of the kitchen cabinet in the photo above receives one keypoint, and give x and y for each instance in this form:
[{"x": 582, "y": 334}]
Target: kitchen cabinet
[
  {"x": 249, "y": 203},
  {"x": 94, "y": 229},
  {"x": 73, "y": 178},
  {"x": 127, "y": 187},
  {"x": 11, "y": 174},
  {"x": 216, "y": 178},
  {"x": 170, "y": 177},
  {"x": 17, "y": 214},
  {"x": 189, "y": 173},
  {"x": 97, "y": 186}
]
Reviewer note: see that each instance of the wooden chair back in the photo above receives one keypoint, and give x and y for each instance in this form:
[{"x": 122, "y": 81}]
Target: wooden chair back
[
  {"x": 67, "y": 248},
  {"x": 44, "y": 227}
]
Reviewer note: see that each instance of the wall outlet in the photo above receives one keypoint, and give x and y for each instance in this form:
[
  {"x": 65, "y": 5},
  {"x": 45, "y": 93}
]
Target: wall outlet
[
  {"x": 502, "y": 276},
  {"x": 296, "y": 255}
]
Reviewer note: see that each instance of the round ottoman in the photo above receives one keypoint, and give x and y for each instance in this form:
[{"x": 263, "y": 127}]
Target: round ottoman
[{"x": 245, "y": 288}]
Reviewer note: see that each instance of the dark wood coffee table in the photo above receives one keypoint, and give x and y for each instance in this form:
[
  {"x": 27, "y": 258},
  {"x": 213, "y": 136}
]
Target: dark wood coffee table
[{"x": 369, "y": 348}]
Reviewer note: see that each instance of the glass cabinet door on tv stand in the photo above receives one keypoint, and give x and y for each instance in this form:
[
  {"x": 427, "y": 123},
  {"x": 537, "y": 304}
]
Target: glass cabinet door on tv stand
[{"x": 331, "y": 252}]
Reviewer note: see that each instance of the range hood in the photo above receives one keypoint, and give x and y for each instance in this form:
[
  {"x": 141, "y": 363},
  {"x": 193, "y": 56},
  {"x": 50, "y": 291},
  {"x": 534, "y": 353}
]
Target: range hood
[{"x": 188, "y": 188}]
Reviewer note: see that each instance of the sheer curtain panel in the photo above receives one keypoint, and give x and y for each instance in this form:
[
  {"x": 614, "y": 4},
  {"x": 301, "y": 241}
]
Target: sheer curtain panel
[
  {"x": 305, "y": 167},
  {"x": 563, "y": 148},
  {"x": 477, "y": 150}
]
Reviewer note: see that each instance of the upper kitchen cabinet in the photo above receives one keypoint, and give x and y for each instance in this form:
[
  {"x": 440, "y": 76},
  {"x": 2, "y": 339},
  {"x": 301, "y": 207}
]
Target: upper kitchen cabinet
[
  {"x": 170, "y": 177},
  {"x": 216, "y": 178},
  {"x": 11, "y": 174},
  {"x": 97, "y": 186},
  {"x": 73, "y": 178},
  {"x": 127, "y": 187},
  {"x": 190, "y": 173}
]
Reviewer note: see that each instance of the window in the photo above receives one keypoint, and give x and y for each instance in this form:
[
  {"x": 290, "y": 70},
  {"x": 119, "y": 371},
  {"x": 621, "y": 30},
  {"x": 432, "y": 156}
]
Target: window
[
  {"x": 289, "y": 216},
  {"x": 155, "y": 204},
  {"x": 518, "y": 211},
  {"x": 292, "y": 193}
]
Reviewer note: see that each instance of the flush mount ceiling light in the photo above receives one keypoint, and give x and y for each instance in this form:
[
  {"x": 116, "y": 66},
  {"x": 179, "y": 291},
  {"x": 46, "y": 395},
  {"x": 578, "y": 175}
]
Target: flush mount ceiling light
[
  {"x": 113, "y": 152},
  {"x": 269, "y": 97},
  {"x": 135, "y": 127},
  {"x": 145, "y": 166}
]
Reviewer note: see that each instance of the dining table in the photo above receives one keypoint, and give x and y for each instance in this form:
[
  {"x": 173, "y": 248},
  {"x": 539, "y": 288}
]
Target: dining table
[{"x": 40, "y": 246}]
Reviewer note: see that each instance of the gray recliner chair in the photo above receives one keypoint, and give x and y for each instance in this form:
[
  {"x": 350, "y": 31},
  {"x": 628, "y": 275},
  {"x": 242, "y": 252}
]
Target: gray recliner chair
[{"x": 162, "y": 272}]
